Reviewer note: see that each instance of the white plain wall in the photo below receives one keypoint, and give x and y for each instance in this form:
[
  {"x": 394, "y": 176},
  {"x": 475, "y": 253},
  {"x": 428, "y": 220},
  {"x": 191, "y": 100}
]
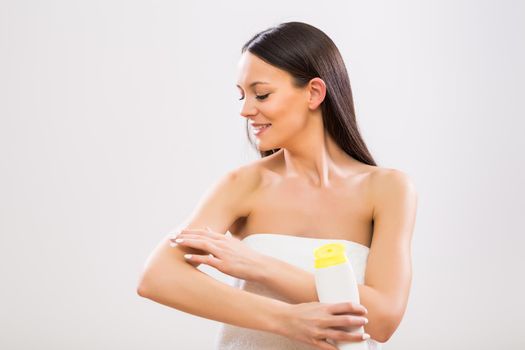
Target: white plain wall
[{"x": 116, "y": 116}]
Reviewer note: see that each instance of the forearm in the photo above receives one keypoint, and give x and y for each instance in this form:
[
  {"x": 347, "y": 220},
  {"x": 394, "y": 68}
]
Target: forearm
[
  {"x": 298, "y": 286},
  {"x": 188, "y": 289}
]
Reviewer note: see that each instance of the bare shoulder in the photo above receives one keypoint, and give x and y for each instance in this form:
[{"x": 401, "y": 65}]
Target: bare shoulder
[
  {"x": 390, "y": 185},
  {"x": 237, "y": 185},
  {"x": 252, "y": 175},
  {"x": 225, "y": 201},
  {"x": 243, "y": 179},
  {"x": 388, "y": 181}
]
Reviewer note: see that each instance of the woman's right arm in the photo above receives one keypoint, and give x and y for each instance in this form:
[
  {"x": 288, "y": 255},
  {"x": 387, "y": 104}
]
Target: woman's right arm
[{"x": 171, "y": 281}]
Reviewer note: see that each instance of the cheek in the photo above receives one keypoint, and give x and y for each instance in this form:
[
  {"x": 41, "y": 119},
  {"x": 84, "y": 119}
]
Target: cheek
[
  {"x": 294, "y": 113},
  {"x": 287, "y": 108},
  {"x": 275, "y": 108}
]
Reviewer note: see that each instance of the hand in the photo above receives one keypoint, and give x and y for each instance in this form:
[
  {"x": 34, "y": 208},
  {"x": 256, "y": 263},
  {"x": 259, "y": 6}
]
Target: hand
[
  {"x": 227, "y": 254},
  {"x": 314, "y": 322}
]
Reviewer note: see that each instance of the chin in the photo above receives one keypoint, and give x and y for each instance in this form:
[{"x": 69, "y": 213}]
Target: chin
[
  {"x": 266, "y": 147},
  {"x": 262, "y": 146}
]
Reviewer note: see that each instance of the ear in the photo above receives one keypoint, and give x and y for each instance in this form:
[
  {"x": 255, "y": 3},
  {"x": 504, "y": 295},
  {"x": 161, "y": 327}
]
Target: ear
[{"x": 317, "y": 90}]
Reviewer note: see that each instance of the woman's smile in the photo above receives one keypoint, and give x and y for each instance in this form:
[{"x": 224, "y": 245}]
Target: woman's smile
[{"x": 258, "y": 130}]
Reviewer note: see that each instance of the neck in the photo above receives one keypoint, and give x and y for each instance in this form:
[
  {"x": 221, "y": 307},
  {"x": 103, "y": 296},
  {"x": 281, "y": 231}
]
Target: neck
[{"x": 314, "y": 156}]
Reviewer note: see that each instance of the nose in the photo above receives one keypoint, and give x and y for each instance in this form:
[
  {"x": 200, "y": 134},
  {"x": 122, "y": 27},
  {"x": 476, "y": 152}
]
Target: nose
[{"x": 247, "y": 109}]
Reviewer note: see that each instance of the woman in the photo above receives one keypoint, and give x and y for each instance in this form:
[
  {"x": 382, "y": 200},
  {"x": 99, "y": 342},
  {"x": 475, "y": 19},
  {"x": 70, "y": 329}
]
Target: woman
[{"x": 315, "y": 182}]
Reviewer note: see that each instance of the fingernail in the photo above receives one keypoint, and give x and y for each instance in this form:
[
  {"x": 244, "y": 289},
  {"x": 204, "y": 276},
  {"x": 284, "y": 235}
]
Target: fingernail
[
  {"x": 366, "y": 336},
  {"x": 366, "y": 320},
  {"x": 187, "y": 256},
  {"x": 179, "y": 240}
]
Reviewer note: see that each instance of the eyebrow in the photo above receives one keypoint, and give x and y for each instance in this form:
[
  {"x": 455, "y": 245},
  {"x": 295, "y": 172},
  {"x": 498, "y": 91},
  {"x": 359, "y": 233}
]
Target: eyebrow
[{"x": 255, "y": 83}]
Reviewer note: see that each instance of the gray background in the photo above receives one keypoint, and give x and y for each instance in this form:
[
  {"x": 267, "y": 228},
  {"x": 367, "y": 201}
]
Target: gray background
[{"x": 116, "y": 116}]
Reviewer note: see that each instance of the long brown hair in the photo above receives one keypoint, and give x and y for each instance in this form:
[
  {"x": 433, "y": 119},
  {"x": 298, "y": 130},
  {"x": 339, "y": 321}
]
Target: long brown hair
[{"x": 306, "y": 52}]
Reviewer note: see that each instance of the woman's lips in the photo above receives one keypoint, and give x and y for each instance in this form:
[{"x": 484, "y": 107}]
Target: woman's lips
[{"x": 259, "y": 130}]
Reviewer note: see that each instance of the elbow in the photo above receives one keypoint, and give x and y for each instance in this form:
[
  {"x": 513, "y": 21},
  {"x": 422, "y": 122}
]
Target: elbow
[
  {"x": 389, "y": 325},
  {"x": 153, "y": 283},
  {"x": 144, "y": 285},
  {"x": 382, "y": 336},
  {"x": 141, "y": 290}
]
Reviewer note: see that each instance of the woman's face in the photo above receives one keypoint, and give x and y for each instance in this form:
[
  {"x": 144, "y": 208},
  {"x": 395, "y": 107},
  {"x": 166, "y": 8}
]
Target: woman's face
[{"x": 268, "y": 97}]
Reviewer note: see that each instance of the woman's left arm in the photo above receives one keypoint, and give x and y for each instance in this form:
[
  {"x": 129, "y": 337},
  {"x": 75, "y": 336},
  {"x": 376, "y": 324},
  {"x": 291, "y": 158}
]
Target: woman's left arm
[{"x": 388, "y": 273}]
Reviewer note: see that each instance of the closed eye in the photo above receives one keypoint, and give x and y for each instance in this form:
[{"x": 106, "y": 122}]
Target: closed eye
[{"x": 259, "y": 97}]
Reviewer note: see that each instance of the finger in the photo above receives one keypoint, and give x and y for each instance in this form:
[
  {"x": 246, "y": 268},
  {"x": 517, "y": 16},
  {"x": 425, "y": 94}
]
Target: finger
[
  {"x": 344, "y": 321},
  {"x": 200, "y": 243},
  {"x": 203, "y": 244},
  {"x": 347, "y": 307},
  {"x": 199, "y": 258},
  {"x": 344, "y": 336},
  {"x": 192, "y": 263},
  {"x": 203, "y": 259}
]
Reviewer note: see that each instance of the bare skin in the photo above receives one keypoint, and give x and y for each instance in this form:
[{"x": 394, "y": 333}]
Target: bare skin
[
  {"x": 288, "y": 204},
  {"x": 310, "y": 188}
]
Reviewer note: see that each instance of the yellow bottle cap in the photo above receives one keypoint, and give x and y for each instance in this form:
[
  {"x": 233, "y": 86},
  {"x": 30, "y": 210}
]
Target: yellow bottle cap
[{"x": 329, "y": 255}]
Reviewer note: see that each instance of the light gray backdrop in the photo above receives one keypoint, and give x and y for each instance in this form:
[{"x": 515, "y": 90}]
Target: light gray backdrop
[{"x": 116, "y": 116}]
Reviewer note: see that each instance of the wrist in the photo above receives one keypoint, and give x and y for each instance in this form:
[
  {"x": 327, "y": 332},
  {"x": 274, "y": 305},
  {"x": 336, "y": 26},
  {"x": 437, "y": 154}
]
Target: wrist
[
  {"x": 263, "y": 268},
  {"x": 278, "y": 316}
]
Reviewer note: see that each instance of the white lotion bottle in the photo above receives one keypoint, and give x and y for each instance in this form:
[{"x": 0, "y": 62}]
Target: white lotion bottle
[{"x": 336, "y": 283}]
